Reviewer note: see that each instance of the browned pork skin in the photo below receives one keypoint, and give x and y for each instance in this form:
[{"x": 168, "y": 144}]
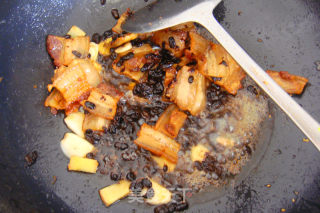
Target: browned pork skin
[
  {"x": 216, "y": 64},
  {"x": 103, "y": 101},
  {"x": 64, "y": 50},
  {"x": 292, "y": 84},
  {"x": 171, "y": 121},
  {"x": 71, "y": 83},
  {"x": 189, "y": 91},
  {"x": 157, "y": 143}
]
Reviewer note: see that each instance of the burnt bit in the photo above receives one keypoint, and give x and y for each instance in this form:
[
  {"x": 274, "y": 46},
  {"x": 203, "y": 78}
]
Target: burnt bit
[
  {"x": 31, "y": 158},
  {"x": 90, "y": 105},
  {"x": 76, "y": 54},
  {"x": 115, "y": 14},
  {"x": 172, "y": 42},
  {"x": 190, "y": 79},
  {"x": 102, "y": 2},
  {"x": 67, "y": 36},
  {"x": 224, "y": 63}
]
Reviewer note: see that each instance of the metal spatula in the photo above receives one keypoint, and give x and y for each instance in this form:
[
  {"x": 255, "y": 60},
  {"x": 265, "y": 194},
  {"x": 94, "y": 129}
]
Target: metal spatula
[{"x": 166, "y": 13}]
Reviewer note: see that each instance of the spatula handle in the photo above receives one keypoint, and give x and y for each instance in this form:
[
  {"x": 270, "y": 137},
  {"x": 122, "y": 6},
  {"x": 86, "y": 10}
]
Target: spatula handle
[{"x": 308, "y": 125}]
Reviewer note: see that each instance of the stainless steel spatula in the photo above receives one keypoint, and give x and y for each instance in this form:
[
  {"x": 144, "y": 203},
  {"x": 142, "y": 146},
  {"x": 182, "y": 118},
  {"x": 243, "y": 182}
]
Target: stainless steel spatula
[{"x": 166, "y": 13}]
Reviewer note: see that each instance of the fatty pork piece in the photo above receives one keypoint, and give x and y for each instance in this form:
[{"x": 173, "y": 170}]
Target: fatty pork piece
[
  {"x": 55, "y": 100},
  {"x": 136, "y": 62},
  {"x": 75, "y": 81},
  {"x": 292, "y": 84},
  {"x": 102, "y": 101},
  {"x": 216, "y": 64},
  {"x": 64, "y": 50},
  {"x": 172, "y": 40},
  {"x": 157, "y": 143},
  {"x": 189, "y": 90},
  {"x": 171, "y": 121}
]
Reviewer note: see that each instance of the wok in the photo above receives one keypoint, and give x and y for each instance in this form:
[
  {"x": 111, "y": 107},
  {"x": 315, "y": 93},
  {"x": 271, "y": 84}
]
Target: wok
[{"x": 278, "y": 34}]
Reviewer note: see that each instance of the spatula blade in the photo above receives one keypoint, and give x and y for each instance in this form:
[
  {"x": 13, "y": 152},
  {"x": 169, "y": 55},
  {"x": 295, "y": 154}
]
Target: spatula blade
[{"x": 160, "y": 14}]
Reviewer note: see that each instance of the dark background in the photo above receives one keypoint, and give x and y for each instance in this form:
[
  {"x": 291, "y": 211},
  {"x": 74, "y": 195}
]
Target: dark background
[{"x": 290, "y": 33}]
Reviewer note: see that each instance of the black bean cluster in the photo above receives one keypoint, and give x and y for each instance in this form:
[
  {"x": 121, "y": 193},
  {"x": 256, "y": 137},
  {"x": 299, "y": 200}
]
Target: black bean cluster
[
  {"x": 168, "y": 59},
  {"x": 31, "y": 158},
  {"x": 172, "y": 207},
  {"x": 137, "y": 42},
  {"x": 209, "y": 165},
  {"x": 93, "y": 137},
  {"x": 121, "y": 146},
  {"x": 147, "y": 66},
  {"x": 129, "y": 156},
  {"x": 137, "y": 186},
  {"x": 215, "y": 97},
  {"x": 154, "y": 84}
]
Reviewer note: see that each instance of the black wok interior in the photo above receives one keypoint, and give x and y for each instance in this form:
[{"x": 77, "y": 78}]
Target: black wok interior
[{"x": 290, "y": 34}]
